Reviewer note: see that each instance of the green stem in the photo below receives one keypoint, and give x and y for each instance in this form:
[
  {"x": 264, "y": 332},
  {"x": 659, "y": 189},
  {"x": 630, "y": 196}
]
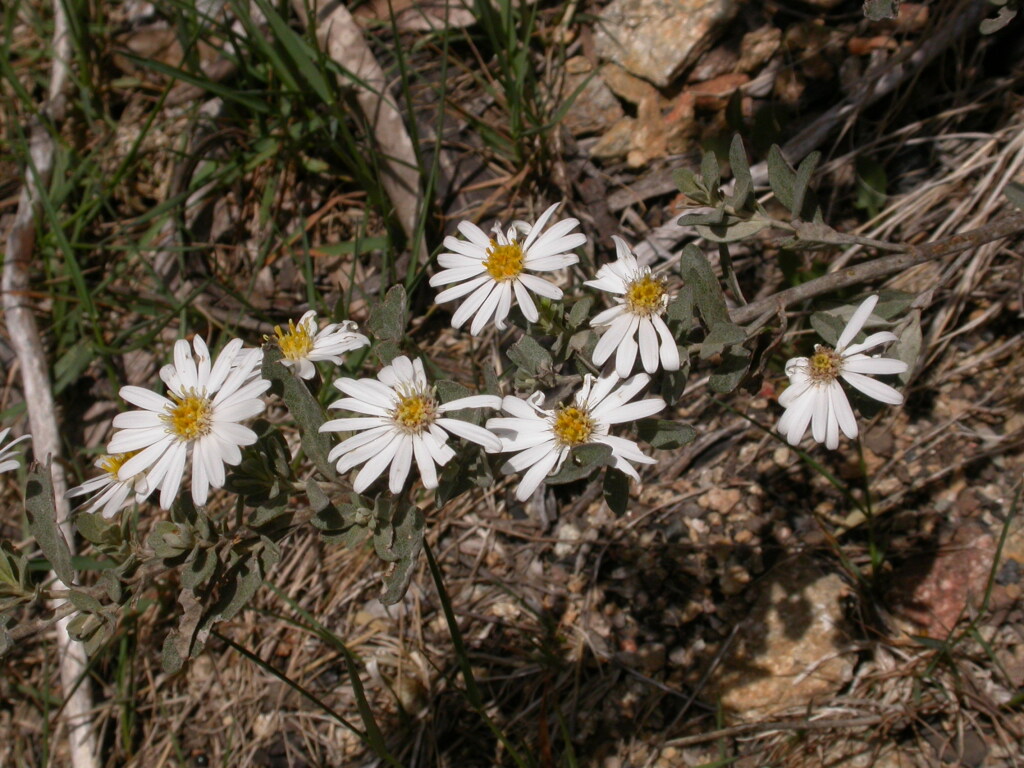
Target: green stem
[{"x": 472, "y": 690}]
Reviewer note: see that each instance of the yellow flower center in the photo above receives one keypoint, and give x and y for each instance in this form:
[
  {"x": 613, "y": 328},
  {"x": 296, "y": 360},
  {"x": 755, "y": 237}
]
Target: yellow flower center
[
  {"x": 504, "y": 262},
  {"x": 190, "y": 417},
  {"x": 111, "y": 464},
  {"x": 825, "y": 365},
  {"x": 414, "y": 412},
  {"x": 296, "y": 344},
  {"x": 644, "y": 295},
  {"x": 573, "y": 426}
]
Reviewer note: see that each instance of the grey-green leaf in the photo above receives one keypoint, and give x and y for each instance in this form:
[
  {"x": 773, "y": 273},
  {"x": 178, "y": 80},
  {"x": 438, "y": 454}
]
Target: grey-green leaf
[
  {"x": 828, "y": 326},
  {"x": 664, "y": 434},
  {"x": 303, "y": 407},
  {"x": 581, "y": 462},
  {"x": 733, "y": 369},
  {"x": 744, "y": 185},
  {"x": 690, "y": 185},
  {"x": 616, "y": 491},
  {"x": 720, "y": 336},
  {"x": 530, "y": 357},
  {"x": 388, "y": 319},
  {"x": 42, "y": 522},
  {"x": 781, "y": 177},
  {"x": 733, "y": 230},
  {"x": 580, "y": 311},
  {"x": 711, "y": 173},
  {"x": 802, "y": 206},
  {"x": 707, "y": 292}
]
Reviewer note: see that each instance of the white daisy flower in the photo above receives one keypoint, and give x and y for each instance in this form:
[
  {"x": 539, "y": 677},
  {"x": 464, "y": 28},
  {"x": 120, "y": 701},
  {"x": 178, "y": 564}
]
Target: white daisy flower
[
  {"x": 8, "y": 463},
  {"x": 403, "y": 420},
  {"x": 113, "y": 493},
  {"x": 543, "y": 438},
  {"x": 494, "y": 268},
  {"x": 200, "y": 417},
  {"x": 814, "y": 394},
  {"x": 302, "y": 344},
  {"x": 642, "y": 299}
]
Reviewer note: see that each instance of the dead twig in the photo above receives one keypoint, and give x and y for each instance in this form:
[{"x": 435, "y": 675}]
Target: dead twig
[
  {"x": 886, "y": 265},
  {"x": 24, "y": 334}
]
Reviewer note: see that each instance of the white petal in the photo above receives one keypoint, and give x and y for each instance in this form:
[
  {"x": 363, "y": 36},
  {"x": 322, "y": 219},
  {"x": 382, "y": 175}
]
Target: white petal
[
  {"x": 876, "y": 389},
  {"x": 831, "y": 425},
  {"x": 819, "y": 415},
  {"x": 455, "y": 275},
  {"x": 128, "y": 440},
  {"x": 369, "y": 391},
  {"x": 641, "y": 409},
  {"x": 625, "y": 355},
  {"x": 473, "y": 401},
  {"x": 536, "y": 474},
  {"x": 185, "y": 365},
  {"x": 471, "y": 432},
  {"x": 354, "y": 424},
  {"x": 609, "y": 282},
  {"x": 359, "y": 448},
  {"x": 872, "y": 341},
  {"x": 668, "y": 351},
  {"x": 843, "y": 412},
  {"x": 521, "y": 461},
  {"x": 138, "y": 420},
  {"x": 648, "y": 345},
  {"x": 860, "y": 316},
  {"x": 358, "y": 406},
  {"x": 473, "y": 303},
  {"x": 535, "y": 230},
  {"x": 400, "y": 465},
  {"x": 486, "y": 311},
  {"x": 474, "y": 234},
  {"x": 143, "y": 398},
  {"x": 174, "y": 460},
  {"x": 425, "y": 462},
  {"x": 608, "y": 316},
  {"x": 612, "y": 338},
  {"x": 377, "y": 463},
  {"x": 865, "y": 364},
  {"x": 523, "y": 298},
  {"x": 540, "y": 286},
  {"x": 797, "y": 416},
  {"x": 551, "y": 263},
  {"x": 458, "y": 291}
]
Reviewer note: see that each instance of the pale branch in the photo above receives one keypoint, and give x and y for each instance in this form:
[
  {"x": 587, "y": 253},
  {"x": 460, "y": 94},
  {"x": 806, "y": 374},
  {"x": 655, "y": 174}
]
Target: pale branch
[
  {"x": 38, "y": 392},
  {"x": 880, "y": 267}
]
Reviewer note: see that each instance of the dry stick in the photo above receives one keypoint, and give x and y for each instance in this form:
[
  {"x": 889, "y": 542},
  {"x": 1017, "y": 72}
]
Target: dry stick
[
  {"x": 887, "y": 265},
  {"x": 24, "y": 334},
  {"x": 764, "y": 729},
  {"x": 342, "y": 39}
]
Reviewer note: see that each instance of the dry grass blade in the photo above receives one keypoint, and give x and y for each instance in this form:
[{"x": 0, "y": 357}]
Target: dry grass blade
[
  {"x": 342, "y": 39},
  {"x": 24, "y": 333}
]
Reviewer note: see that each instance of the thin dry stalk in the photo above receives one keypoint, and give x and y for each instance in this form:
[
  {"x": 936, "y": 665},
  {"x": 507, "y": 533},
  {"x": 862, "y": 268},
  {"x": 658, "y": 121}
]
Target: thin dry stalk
[{"x": 24, "y": 333}]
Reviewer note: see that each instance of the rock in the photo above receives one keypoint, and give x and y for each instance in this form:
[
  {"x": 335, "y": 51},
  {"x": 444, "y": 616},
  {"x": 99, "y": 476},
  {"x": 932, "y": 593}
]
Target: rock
[
  {"x": 757, "y": 47},
  {"x": 617, "y": 140},
  {"x": 789, "y": 651},
  {"x": 713, "y": 94},
  {"x": 718, "y": 61},
  {"x": 658, "y": 39},
  {"x": 930, "y": 593},
  {"x": 595, "y": 106}
]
